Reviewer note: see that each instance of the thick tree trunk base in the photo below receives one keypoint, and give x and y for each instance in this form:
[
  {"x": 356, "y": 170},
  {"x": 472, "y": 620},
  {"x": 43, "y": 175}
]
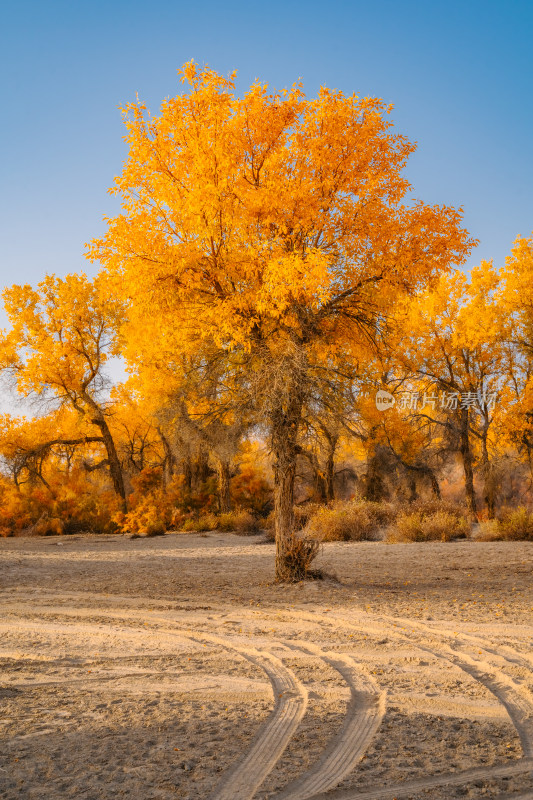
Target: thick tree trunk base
[{"x": 293, "y": 561}]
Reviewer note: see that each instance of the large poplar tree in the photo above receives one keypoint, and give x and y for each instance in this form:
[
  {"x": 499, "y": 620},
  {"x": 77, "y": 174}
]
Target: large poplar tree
[{"x": 277, "y": 228}]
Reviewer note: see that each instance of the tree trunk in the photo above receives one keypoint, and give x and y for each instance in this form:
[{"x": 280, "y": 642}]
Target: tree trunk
[
  {"x": 319, "y": 479},
  {"x": 169, "y": 464},
  {"x": 330, "y": 469},
  {"x": 224, "y": 475},
  {"x": 373, "y": 481},
  {"x": 115, "y": 468},
  {"x": 284, "y": 473},
  {"x": 466, "y": 454},
  {"x": 186, "y": 466},
  {"x": 434, "y": 483},
  {"x": 321, "y": 487},
  {"x": 201, "y": 467},
  {"x": 285, "y": 423},
  {"x": 489, "y": 484}
]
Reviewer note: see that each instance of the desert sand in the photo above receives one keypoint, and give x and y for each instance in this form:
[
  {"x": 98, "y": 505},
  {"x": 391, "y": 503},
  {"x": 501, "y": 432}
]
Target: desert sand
[{"x": 173, "y": 667}]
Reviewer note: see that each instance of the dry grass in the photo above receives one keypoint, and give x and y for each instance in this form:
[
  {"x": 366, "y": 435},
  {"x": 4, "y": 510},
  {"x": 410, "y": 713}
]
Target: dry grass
[
  {"x": 355, "y": 520},
  {"x": 231, "y": 521},
  {"x": 439, "y": 526},
  {"x": 47, "y": 526},
  {"x": 238, "y": 521},
  {"x": 517, "y": 525},
  {"x": 206, "y": 522},
  {"x": 428, "y": 507},
  {"x": 514, "y": 525},
  {"x": 489, "y": 530},
  {"x": 302, "y": 514}
]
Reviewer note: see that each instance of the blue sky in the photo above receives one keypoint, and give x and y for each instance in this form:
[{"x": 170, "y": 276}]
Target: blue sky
[{"x": 458, "y": 73}]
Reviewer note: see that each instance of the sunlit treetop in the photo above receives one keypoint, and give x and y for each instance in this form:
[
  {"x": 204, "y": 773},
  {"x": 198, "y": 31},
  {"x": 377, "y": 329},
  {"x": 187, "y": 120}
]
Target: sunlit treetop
[{"x": 269, "y": 217}]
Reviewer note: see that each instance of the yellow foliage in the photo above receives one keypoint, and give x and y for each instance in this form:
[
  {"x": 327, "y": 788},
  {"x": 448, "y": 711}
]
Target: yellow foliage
[
  {"x": 275, "y": 217},
  {"x": 71, "y": 503}
]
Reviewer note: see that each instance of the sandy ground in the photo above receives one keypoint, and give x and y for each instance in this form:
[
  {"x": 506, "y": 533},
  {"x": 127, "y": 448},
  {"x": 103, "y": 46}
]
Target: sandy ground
[{"x": 174, "y": 667}]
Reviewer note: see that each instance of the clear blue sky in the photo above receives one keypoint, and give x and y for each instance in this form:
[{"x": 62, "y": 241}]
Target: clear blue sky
[{"x": 458, "y": 73}]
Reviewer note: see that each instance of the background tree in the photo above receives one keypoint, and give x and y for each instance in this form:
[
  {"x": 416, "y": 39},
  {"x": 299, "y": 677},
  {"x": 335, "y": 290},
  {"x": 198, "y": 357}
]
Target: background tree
[
  {"x": 516, "y": 298},
  {"x": 454, "y": 347},
  {"x": 27, "y": 445},
  {"x": 61, "y": 337}
]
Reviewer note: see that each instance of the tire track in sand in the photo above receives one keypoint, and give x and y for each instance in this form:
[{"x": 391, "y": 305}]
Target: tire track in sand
[
  {"x": 515, "y": 699},
  {"x": 243, "y": 779},
  {"x": 290, "y": 702},
  {"x": 434, "y": 782},
  {"x": 512, "y": 696},
  {"x": 363, "y": 717}
]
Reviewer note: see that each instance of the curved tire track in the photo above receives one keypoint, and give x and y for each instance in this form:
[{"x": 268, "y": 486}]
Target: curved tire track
[
  {"x": 434, "y": 782},
  {"x": 363, "y": 717},
  {"x": 290, "y": 703},
  {"x": 516, "y": 699},
  {"x": 266, "y": 748},
  {"x": 512, "y": 696},
  {"x": 244, "y": 779}
]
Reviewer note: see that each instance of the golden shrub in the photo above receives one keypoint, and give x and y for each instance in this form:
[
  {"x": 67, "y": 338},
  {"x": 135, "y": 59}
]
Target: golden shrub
[
  {"x": 238, "y": 521},
  {"x": 440, "y": 526},
  {"x": 355, "y": 520}
]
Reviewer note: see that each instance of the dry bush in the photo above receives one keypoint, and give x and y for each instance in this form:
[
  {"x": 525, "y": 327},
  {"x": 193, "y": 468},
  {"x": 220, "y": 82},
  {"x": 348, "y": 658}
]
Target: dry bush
[
  {"x": 381, "y": 513},
  {"x": 238, "y": 521},
  {"x": 355, "y": 520},
  {"x": 201, "y": 524},
  {"x": 189, "y": 525},
  {"x": 231, "y": 522},
  {"x": 204, "y": 500},
  {"x": 145, "y": 519},
  {"x": 489, "y": 530},
  {"x": 71, "y": 503},
  {"x": 156, "y": 528},
  {"x": 440, "y": 526},
  {"x": 514, "y": 525},
  {"x": 517, "y": 525},
  {"x": 302, "y": 514},
  {"x": 352, "y": 520},
  {"x": 48, "y": 526},
  {"x": 250, "y": 489},
  {"x": 150, "y": 506},
  {"x": 153, "y": 508},
  {"x": 427, "y": 508}
]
